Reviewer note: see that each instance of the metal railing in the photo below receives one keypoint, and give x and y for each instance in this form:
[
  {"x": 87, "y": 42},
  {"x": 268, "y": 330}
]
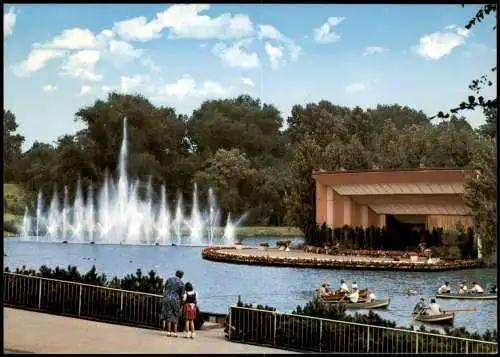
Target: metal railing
[
  {"x": 82, "y": 300},
  {"x": 331, "y": 336}
]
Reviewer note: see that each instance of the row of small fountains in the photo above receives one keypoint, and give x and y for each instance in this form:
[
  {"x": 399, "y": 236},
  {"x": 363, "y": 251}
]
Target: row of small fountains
[{"x": 213, "y": 253}]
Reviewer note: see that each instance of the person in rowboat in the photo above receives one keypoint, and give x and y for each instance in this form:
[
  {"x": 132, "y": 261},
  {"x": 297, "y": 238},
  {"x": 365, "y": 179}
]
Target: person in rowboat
[
  {"x": 434, "y": 308},
  {"x": 420, "y": 307},
  {"x": 354, "y": 296},
  {"x": 354, "y": 285},
  {"x": 444, "y": 289},
  {"x": 493, "y": 289},
  {"x": 323, "y": 290},
  {"x": 462, "y": 290},
  {"x": 370, "y": 296},
  {"x": 476, "y": 288},
  {"x": 343, "y": 287}
]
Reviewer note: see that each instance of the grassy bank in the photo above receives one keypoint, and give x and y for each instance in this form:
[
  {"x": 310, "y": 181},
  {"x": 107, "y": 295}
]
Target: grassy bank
[{"x": 13, "y": 207}]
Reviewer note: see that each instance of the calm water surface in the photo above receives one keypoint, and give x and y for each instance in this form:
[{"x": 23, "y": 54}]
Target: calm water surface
[{"x": 220, "y": 284}]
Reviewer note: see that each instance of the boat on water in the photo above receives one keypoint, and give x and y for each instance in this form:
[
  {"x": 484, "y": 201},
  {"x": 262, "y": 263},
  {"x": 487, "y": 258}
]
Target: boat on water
[
  {"x": 374, "y": 304},
  {"x": 467, "y": 296},
  {"x": 445, "y": 318},
  {"x": 362, "y": 295}
]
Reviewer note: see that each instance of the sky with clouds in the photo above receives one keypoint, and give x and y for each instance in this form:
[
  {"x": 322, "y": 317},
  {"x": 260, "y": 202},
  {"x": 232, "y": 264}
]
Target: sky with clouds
[{"x": 58, "y": 58}]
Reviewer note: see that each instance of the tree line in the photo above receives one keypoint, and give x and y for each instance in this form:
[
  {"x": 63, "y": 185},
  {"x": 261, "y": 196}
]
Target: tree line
[{"x": 255, "y": 160}]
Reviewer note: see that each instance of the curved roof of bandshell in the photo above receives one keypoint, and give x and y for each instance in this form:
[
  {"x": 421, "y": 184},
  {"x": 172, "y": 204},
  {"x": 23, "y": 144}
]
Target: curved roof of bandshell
[{"x": 418, "y": 191}]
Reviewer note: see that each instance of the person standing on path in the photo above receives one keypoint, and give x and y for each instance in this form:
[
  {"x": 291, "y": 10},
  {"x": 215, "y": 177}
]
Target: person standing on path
[
  {"x": 189, "y": 310},
  {"x": 172, "y": 297}
]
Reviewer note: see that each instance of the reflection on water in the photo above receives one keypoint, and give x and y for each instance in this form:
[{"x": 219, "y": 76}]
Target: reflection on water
[{"x": 220, "y": 284}]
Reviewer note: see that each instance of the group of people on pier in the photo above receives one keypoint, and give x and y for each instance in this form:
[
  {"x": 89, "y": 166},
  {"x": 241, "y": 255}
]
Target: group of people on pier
[
  {"x": 463, "y": 290},
  {"x": 344, "y": 292},
  {"x": 179, "y": 299}
]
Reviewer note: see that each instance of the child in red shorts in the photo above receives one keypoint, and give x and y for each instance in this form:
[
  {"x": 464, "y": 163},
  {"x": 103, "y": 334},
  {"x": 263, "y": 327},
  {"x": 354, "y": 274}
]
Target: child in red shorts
[{"x": 189, "y": 310}]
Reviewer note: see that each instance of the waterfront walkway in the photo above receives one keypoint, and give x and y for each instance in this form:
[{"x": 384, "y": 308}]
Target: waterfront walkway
[{"x": 33, "y": 332}]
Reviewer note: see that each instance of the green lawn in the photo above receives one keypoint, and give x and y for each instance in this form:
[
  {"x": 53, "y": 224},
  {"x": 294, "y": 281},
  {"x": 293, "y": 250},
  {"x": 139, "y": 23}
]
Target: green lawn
[{"x": 14, "y": 203}]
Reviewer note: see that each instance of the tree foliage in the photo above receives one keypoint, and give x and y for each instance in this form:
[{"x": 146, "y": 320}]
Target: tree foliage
[
  {"x": 239, "y": 148},
  {"x": 11, "y": 146},
  {"x": 481, "y": 192}
]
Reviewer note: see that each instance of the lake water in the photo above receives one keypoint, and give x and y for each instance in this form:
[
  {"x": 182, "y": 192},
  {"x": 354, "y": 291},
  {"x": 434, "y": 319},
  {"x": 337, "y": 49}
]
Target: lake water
[{"x": 219, "y": 284}]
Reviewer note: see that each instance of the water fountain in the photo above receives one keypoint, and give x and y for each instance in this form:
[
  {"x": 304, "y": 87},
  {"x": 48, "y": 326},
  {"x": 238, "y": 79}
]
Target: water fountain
[{"x": 120, "y": 215}]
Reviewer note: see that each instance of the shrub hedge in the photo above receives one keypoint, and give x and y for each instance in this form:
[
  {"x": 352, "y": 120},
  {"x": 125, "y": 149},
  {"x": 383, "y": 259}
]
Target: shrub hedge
[
  {"x": 104, "y": 306},
  {"x": 298, "y": 333}
]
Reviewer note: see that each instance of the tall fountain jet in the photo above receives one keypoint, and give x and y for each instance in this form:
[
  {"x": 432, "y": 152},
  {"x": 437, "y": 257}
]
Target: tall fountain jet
[{"x": 118, "y": 214}]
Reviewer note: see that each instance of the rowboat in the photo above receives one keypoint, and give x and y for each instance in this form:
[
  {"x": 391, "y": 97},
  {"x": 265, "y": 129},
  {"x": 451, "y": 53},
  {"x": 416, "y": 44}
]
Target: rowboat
[
  {"x": 362, "y": 295},
  {"x": 468, "y": 296},
  {"x": 375, "y": 304},
  {"x": 445, "y": 318}
]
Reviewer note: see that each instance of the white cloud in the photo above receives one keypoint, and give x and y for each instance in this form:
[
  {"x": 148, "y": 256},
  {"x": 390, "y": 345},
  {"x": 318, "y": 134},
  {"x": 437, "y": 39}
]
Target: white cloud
[
  {"x": 107, "y": 88},
  {"x": 83, "y": 50},
  {"x": 132, "y": 84},
  {"x": 49, "y": 88},
  {"x": 271, "y": 33},
  {"x": 85, "y": 90},
  {"x": 137, "y": 29},
  {"x": 185, "y": 21},
  {"x": 237, "y": 55},
  {"x": 73, "y": 39},
  {"x": 37, "y": 59},
  {"x": 355, "y": 87},
  {"x": 186, "y": 87},
  {"x": 124, "y": 49},
  {"x": 439, "y": 44},
  {"x": 9, "y": 21},
  {"x": 248, "y": 82},
  {"x": 371, "y": 50},
  {"x": 324, "y": 33},
  {"x": 275, "y": 54},
  {"x": 81, "y": 65}
]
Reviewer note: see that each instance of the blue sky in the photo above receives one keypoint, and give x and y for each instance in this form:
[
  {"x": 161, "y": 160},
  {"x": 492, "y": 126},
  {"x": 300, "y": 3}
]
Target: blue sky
[{"x": 59, "y": 58}]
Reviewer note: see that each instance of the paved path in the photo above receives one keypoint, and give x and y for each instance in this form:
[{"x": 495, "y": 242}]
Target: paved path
[{"x": 44, "y": 333}]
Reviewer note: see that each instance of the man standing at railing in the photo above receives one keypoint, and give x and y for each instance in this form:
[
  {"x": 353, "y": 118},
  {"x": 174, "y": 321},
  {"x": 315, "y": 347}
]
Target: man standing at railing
[{"x": 171, "y": 310}]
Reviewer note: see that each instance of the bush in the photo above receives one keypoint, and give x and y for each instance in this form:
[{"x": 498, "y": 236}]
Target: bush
[
  {"x": 298, "y": 333},
  {"x": 103, "y": 306},
  {"x": 11, "y": 226}
]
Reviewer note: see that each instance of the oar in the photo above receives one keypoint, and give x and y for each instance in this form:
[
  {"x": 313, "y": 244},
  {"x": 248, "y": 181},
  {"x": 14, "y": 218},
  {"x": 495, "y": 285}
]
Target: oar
[{"x": 464, "y": 309}]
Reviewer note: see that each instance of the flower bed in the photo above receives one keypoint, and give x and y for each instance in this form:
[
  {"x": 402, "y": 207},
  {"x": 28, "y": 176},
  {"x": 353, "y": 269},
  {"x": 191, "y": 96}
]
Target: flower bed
[
  {"x": 376, "y": 253},
  {"x": 215, "y": 254}
]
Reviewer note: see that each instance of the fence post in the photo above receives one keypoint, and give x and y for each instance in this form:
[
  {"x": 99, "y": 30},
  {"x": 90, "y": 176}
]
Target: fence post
[
  {"x": 230, "y": 325},
  {"x": 320, "y": 335},
  {"x": 466, "y": 346},
  {"x": 274, "y": 327},
  {"x": 80, "y": 301},
  {"x": 416, "y": 343},
  {"x": 40, "y": 295},
  {"x": 368, "y": 340}
]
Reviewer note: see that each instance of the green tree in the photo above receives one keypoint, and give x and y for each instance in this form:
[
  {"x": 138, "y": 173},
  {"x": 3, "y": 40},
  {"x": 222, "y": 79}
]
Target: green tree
[
  {"x": 489, "y": 128},
  {"x": 12, "y": 143},
  {"x": 38, "y": 169},
  {"x": 156, "y": 139},
  {"x": 230, "y": 174},
  {"x": 300, "y": 200},
  {"x": 481, "y": 193},
  {"x": 241, "y": 123}
]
